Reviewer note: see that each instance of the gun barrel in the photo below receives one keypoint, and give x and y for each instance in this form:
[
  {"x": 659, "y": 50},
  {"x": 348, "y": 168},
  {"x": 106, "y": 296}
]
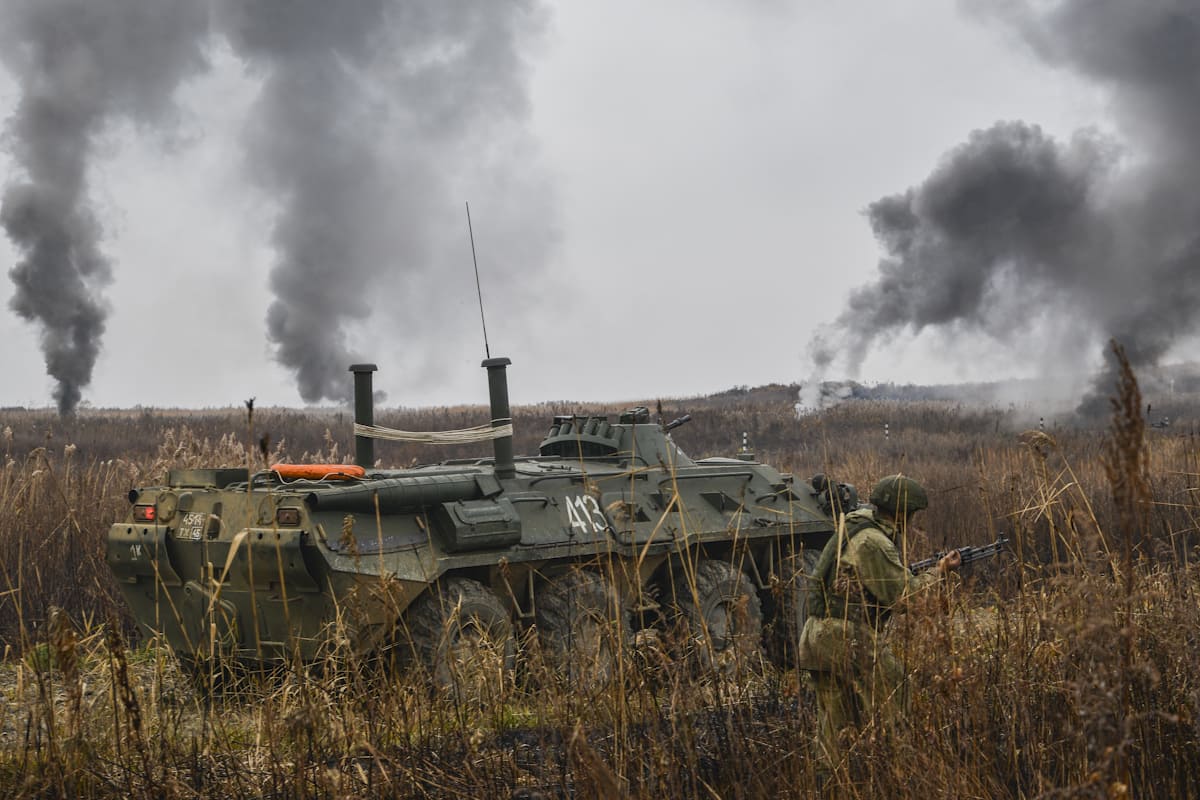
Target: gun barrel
[{"x": 968, "y": 555}]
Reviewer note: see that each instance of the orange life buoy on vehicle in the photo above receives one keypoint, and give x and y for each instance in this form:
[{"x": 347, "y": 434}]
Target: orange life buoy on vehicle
[{"x": 319, "y": 472}]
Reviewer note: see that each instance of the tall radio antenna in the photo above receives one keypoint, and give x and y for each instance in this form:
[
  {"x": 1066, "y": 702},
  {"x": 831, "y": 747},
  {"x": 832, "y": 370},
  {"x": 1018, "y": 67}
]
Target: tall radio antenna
[{"x": 487, "y": 350}]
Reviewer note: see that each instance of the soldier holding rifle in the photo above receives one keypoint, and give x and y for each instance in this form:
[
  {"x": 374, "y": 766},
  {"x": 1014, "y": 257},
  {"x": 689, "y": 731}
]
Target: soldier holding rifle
[{"x": 859, "y": 582}]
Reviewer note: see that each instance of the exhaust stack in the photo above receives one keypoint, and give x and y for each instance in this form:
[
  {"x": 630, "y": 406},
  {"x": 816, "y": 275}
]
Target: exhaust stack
[
  {"x": 501, "y": 415},
  {"x": 364, "y": 413}
]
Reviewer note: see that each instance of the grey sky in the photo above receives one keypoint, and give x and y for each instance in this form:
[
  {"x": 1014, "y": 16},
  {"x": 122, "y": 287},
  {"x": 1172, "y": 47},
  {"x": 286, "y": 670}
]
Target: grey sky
[{"x": 697, "y": 176}]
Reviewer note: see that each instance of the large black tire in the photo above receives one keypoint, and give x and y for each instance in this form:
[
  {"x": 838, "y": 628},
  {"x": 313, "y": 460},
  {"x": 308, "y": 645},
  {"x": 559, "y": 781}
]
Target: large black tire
[
  {"x": 583, "y": 627},
  {"x": 720, "y": 616},
  {"x": 791, "y": 605},
  {"x": 461, "y": 636}
]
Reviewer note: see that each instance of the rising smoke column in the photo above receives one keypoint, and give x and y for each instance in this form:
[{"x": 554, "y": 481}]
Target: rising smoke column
[
  {"x": 366, "y": 114},
  {"x": 1014, "y": 225},
  {"x": 81, "y": 65},
  {"x": 369, "y": 111}
]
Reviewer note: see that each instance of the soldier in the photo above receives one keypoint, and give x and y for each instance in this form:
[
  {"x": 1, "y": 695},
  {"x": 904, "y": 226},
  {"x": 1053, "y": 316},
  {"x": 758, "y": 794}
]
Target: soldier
[{"x": 858, "y": 583}]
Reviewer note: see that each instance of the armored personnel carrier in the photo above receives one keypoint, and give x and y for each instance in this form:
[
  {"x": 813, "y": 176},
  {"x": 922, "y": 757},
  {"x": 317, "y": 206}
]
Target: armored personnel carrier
[{"x": 609, "y": 529}]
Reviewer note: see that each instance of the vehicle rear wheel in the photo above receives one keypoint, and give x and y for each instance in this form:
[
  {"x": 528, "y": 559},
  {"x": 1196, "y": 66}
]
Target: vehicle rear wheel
[
  {"x": 720, "y": 614},
  {"x": 461, "y": 635},
  {"x": 791, "y": 605},
  {"x": 583, "y": 627}
]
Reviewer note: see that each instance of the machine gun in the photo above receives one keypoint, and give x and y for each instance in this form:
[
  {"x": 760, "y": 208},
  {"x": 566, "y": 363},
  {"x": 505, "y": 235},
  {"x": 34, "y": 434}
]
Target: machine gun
[
  {"x": 675, "y": 423},
  {"x": 968, "y": 554}
]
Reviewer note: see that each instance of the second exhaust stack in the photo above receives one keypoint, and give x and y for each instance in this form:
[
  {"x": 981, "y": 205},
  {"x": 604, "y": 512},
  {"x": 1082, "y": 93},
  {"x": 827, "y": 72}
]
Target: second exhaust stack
[{"x": 501, "y": 415}]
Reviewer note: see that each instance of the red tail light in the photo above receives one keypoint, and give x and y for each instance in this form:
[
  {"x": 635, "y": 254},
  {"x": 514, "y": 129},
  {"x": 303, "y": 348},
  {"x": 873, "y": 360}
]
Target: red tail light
[
  {"x": 287, "y": 517},
  {"x": 144, "y": 513}
]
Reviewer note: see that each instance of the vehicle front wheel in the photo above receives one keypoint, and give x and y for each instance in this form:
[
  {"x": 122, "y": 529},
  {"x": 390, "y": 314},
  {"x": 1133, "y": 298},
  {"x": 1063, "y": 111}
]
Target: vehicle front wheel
[{"x": 791, "y": 605}]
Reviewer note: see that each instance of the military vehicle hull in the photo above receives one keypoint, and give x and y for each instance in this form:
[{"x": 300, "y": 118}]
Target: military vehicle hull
[{"x": 611, "y": 527}]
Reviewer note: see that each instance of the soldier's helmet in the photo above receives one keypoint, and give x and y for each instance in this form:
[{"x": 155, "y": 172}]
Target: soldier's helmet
[{"x": 898, "y": 493}]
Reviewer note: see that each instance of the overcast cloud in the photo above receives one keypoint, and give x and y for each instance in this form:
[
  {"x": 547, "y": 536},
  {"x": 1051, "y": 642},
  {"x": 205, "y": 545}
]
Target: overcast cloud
[{"x": 667, "y": 199}]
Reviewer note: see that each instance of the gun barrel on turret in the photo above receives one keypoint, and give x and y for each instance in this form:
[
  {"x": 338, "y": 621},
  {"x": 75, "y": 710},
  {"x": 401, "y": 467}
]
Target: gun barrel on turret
[{"x": 675, "y": 423}]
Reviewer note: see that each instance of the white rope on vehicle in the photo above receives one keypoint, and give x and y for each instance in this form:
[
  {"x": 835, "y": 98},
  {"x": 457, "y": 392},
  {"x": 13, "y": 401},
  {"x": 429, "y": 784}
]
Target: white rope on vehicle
[{"x": 480, "y": 433}]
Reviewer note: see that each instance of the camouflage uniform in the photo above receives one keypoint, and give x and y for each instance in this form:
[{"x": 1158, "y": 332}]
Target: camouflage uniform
[{"x": 856, "y": 676}]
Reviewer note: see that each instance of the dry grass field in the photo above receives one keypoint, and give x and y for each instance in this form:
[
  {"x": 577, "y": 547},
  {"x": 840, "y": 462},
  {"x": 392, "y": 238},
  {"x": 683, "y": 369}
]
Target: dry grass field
[{"x": 1070, "y": 669}]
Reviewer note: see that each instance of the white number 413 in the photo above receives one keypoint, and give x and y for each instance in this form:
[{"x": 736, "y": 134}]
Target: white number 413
[{"x": 584, "y": 514}]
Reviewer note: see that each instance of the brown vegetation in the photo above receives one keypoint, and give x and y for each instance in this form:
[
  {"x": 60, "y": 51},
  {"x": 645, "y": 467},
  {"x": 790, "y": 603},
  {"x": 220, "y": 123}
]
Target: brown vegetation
[{"x": 1068, "y": 671}]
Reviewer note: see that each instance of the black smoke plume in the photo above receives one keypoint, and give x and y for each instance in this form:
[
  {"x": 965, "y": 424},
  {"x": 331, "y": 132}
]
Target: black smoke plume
[
  {"x": 82, "y": 65},
  {"x": 367, "y": 113},
  {"x": 369, "y": 116},
  {"x": 1096, "y": 238}
]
